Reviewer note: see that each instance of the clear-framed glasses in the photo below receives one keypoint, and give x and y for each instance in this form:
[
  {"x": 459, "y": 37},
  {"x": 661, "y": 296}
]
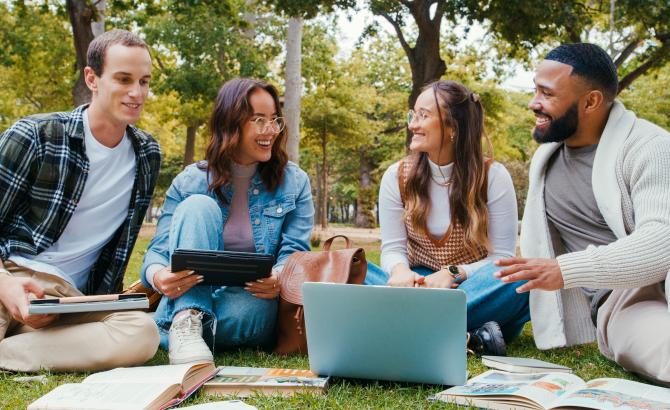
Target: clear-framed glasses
[
  {"x": 275, "y": 125},
  {"x": 414, "y": 115}
]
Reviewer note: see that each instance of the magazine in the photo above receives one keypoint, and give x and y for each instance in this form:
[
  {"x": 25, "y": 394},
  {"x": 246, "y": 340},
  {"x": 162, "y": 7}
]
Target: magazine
[
  {"x": 501, "y": 390},
  {"x": 245, "y": 381},
  {"x": 149, "y": 387},
  {"x": 522, "y": 365}
]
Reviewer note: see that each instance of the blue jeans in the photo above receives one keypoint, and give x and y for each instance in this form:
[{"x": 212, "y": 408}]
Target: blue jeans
[
  {"x": 235, "y": 317},
  {"x": 487, "y": 298}
]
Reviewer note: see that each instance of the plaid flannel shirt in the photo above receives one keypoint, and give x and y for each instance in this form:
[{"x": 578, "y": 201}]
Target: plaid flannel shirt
[{"x": 43, "y": 170}]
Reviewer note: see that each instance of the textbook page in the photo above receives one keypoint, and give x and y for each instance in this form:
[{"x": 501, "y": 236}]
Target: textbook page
[
  {"x": 97, "y": 396},
  {"x": 169, "y": 374},
  {"x": 617, "y": 394},
  {"x": 542, "y": 388}
]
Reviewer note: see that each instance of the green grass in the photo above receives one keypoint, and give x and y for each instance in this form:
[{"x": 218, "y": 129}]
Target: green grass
[{"x": 343, "y": 393}]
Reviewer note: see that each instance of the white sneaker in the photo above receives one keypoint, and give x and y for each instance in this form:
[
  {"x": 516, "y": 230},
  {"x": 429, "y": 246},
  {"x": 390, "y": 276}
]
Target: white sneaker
[{"x": 185, "y": 340}]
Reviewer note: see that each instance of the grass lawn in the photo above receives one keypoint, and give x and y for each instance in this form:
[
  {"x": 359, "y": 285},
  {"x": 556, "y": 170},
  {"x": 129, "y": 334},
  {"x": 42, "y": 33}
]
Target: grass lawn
[{"x": 343, "y": 393}]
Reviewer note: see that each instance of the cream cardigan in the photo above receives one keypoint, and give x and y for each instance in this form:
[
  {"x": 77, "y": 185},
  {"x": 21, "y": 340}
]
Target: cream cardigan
[{"x": 631, "y": 184}]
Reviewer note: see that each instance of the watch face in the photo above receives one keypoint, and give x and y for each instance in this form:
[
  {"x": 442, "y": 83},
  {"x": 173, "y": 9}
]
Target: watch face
[{"x": 453, "y": 270}]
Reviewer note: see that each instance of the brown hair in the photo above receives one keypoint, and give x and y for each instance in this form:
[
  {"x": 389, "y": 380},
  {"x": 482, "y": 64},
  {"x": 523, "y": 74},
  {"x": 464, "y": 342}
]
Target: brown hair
[
  {"x": 461, "y": 110},
  {"x": 95, "y": 56},
  {"x": 231, "y": 110}
]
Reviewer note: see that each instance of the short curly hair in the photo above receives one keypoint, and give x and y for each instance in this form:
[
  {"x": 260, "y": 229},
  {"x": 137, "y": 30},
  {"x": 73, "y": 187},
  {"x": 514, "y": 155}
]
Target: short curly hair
[
  {"x": 590, "y": 62},
  {"x": 95, "y": 56}
]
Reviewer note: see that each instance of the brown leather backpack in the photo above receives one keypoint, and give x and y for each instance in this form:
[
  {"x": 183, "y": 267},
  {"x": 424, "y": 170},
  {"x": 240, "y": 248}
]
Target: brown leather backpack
[{"x": 336, "y": 266}]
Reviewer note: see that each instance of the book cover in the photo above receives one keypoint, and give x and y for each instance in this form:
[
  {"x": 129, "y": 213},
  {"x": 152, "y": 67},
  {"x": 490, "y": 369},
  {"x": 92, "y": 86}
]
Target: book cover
[{"x": 244, "y": 381}]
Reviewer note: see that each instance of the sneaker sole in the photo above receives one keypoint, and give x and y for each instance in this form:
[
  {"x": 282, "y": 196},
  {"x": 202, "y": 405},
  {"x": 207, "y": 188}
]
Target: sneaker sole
[{"x": 196, "y": 359}]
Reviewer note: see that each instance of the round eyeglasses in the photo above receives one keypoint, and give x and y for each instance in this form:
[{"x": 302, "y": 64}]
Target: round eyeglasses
[
  {"x": 413, "y": 115},
  {"x": 263, "y": 125}
]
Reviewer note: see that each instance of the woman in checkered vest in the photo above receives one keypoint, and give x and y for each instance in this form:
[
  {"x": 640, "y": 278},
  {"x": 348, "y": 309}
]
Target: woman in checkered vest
[{"x": 447, "y": 212}]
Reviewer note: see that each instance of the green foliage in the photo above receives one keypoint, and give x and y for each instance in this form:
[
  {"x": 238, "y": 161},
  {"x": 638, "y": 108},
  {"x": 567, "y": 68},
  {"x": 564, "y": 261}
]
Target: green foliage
[
  {"x": 205, "y": 44},
  {"x": 648, "y": 99},
  {"x": 639, "y": 41},
  {"x": 34, "y": 73},
  {"x": 308, "y": 9}
]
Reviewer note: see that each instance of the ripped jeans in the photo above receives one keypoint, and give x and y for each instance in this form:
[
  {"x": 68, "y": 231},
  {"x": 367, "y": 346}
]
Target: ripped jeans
[{"x": 233, "y": 316}]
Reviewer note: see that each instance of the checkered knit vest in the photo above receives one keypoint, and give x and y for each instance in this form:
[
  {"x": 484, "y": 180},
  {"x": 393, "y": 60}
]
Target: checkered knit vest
[{"x": 423, "y": 249}]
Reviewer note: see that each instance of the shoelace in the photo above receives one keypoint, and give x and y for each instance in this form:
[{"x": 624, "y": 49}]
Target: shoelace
[{"x": 189, "y": 329}]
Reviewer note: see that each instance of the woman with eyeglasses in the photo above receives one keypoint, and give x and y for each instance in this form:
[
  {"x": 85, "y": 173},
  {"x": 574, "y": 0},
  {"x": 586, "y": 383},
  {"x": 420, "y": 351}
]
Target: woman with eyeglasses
[
  {"x": 447, "y": 212},
  {"x": 245, "y": 196}
]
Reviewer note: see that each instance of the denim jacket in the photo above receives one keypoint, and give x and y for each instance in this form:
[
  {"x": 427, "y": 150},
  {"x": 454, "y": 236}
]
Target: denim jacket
[{"x": 281, "y": 220}]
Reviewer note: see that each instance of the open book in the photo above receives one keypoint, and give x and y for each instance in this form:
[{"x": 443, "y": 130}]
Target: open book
[
  {"x": 500, "y": 390},
  {"x": 244, "y": 381},
  {"x": 150, "y": 387}
]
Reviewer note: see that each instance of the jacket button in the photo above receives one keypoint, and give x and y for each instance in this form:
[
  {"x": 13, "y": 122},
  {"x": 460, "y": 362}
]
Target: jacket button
[
  {"x": 257, "y": 221},
  {"x": 279, "y": 210},
  {"x": 255, "y": 191}
]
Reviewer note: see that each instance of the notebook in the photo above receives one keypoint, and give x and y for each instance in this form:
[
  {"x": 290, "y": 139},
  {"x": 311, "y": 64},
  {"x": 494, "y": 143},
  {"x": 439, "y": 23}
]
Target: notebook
[
  {"x": 386, "y": 333},
  {"x": 92, "y": 303}
]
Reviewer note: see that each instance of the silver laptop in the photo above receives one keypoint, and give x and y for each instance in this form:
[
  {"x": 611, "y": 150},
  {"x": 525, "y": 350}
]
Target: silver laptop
[{"x": 385, "y": 333}]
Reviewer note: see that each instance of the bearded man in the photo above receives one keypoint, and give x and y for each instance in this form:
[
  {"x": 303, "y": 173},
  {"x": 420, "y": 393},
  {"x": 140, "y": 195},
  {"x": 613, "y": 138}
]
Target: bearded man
[{"x": 597, "y": 218}]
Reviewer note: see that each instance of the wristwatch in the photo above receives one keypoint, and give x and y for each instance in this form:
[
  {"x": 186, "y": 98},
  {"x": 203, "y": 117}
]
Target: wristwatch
[{"x": 455, "y": 273}]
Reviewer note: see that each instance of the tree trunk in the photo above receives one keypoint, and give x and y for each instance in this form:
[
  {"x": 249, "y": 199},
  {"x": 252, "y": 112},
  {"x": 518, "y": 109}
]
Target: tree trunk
[
  {"x": 251, "y": 18},
  {"x": 81, "y": 15},
  {"x": 426, "y": 65},
  {"x": 324, "y": 182},
  {"x": 424, "y": 58},
  {"x": 98, "y": 26},
  {"x": 189, "y": 151},
  {"x": 293, "y": 85},
  {"x": 365, "y": 200},
  {"x": 318, "y": 197}
]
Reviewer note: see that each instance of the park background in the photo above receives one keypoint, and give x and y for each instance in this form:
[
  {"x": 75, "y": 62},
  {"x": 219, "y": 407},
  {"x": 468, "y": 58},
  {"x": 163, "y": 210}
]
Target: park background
[{"x": 348, "y": 71}]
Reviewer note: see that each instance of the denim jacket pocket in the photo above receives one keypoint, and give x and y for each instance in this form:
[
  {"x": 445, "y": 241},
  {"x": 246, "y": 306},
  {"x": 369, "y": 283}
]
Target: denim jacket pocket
[{"x": 274, "y": 214}]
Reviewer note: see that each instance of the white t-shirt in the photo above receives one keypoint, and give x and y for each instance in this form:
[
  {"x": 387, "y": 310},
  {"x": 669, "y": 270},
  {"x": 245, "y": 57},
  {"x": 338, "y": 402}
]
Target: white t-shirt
[
  {"x": 503, "y": 223},
  {"x": 102, "y": 208}
]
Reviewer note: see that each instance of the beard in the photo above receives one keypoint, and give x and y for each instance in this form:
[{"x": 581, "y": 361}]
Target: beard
[{"x": 560, "y": 128}]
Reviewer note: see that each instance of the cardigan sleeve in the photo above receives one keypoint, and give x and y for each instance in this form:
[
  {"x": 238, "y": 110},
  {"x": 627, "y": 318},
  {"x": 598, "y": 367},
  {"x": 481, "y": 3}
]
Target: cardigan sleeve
[
  {"x": 641, "y": 258},
  {"x": 392, "y": 222}
]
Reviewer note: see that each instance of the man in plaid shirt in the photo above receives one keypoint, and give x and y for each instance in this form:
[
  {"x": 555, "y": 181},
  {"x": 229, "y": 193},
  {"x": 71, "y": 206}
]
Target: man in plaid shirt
[{"x": 74, "y": 188}]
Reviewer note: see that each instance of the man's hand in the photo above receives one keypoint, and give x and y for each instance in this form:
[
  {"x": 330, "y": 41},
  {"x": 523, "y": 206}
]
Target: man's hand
[
  {"x": 14, "y": 294},
  {"x": 402, "y": 276},
  {"x": 440, "y": 279},
  {"x": 543, "y": 274},
  {"x": 175, "y": 284}
]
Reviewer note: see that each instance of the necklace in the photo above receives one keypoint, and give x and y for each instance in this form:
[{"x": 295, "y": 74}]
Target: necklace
[{"x": 445, "y": 182}]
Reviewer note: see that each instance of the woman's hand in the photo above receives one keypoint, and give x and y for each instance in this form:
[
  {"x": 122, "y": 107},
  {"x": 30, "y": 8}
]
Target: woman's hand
[
  {"x": 175, "y": 284},
  {"x": 440, "y": 279},
  {"x": 266, "y": 288},
  {"x": 402, "y": 276}
]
